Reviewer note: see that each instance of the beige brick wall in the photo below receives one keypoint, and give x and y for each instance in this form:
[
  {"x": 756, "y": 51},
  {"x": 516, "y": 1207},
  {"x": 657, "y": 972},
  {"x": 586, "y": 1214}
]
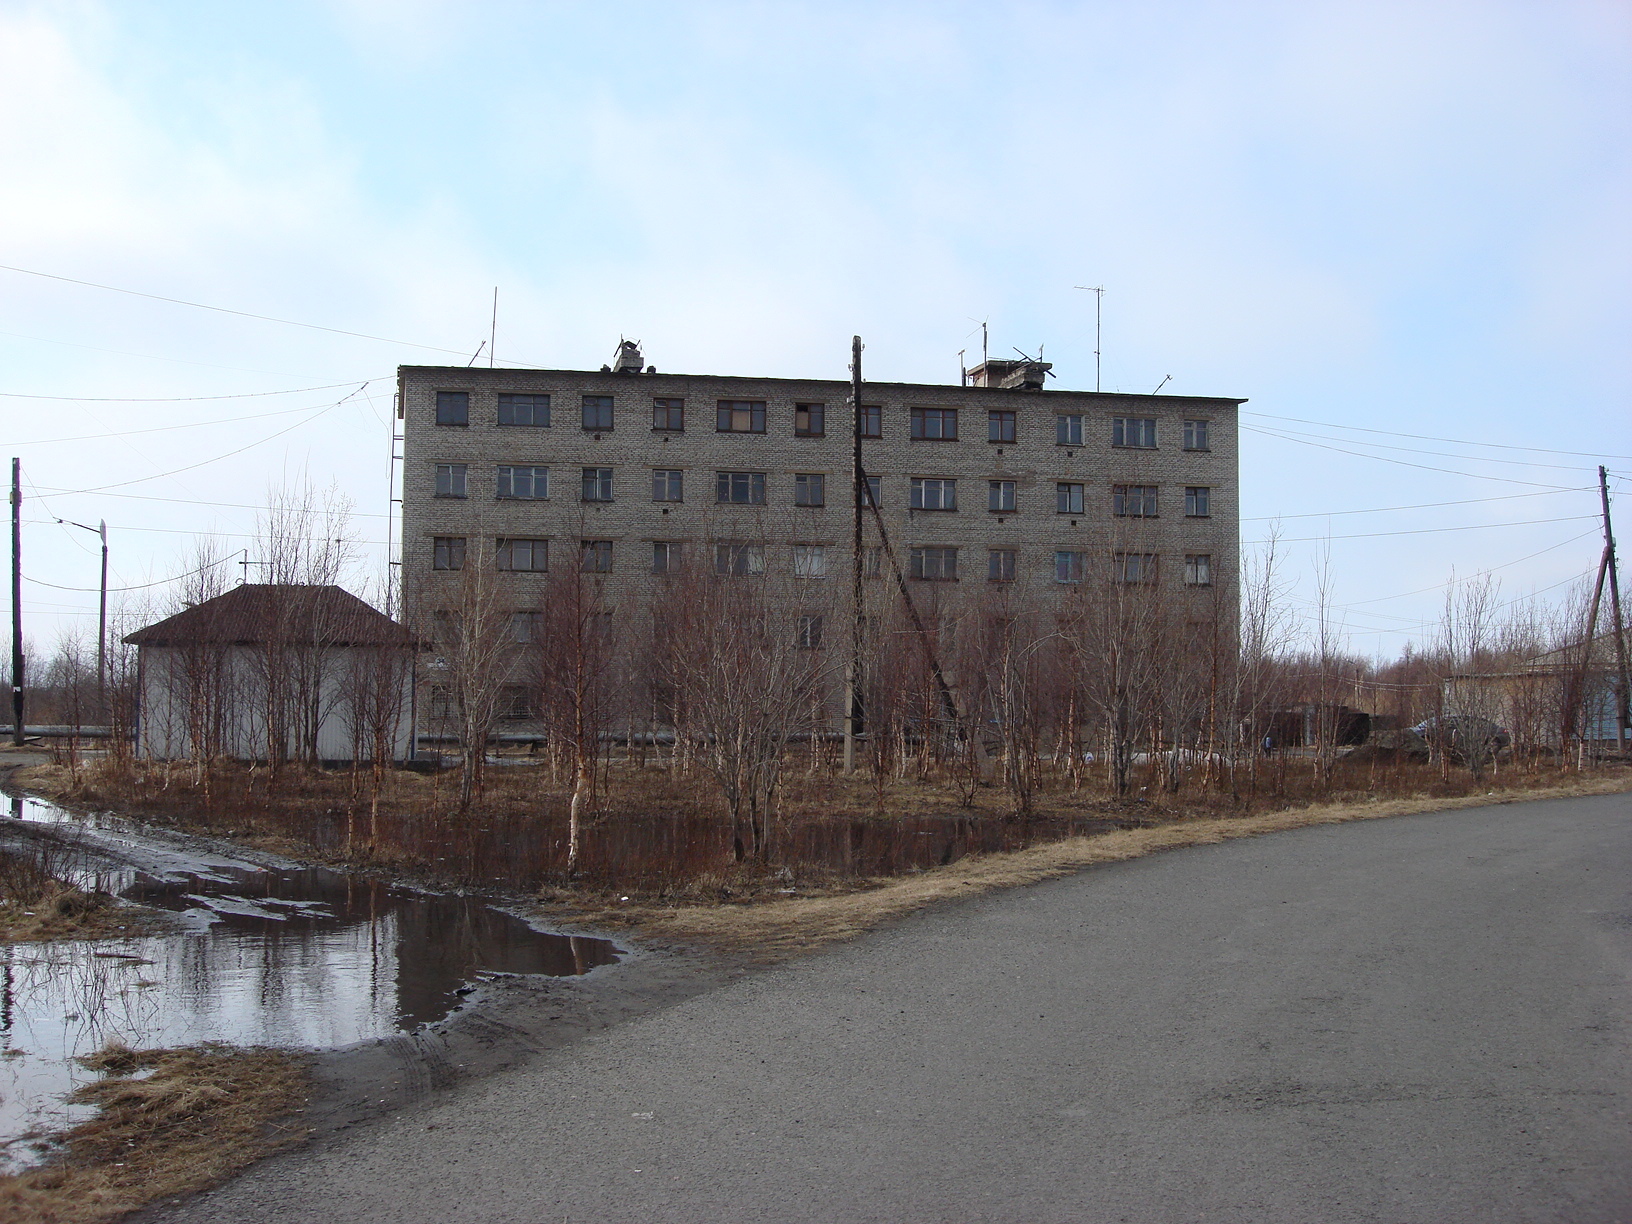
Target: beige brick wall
[{"x": 632, "y": 449}]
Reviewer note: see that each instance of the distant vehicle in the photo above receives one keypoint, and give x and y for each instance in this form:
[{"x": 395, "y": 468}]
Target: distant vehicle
[{"x": 1460, "y": 733}]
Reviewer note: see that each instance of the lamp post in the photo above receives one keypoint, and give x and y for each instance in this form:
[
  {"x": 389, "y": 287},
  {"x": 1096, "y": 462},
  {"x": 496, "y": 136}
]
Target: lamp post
[{"x": 101, "y": 529}]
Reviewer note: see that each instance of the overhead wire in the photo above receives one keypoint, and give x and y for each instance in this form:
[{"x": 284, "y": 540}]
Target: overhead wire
[
  {"x": 1424, "y": 467},
  {"x": 1391, "y": 433},
  {"x": 174, "y": 399}
]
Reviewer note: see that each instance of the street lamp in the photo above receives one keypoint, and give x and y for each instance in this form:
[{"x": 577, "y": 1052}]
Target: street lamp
[{"x": 101, "y": 529}]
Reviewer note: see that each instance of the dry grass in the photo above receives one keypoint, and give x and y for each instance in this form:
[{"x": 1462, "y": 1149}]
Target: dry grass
[
  {"x": 771, "y": 930},
  {"x": 201, "y": 1113},
  {"x": 36, "y": 905}
]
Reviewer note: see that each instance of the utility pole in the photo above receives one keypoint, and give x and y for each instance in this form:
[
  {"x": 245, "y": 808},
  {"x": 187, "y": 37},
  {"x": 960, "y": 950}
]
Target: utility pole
[
  {"x": 1623, "y": 715},
  {"x": 1099, "y": 306},
  {"x": 17, "y": 602},
  {"x": 858, "y": 489},
  {"x": 101, "y": 529}
]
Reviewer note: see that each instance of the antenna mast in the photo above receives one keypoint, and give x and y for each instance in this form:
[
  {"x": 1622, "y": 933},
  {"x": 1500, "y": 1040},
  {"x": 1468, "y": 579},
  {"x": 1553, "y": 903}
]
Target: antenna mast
[{"x": 1099, "y": 309}]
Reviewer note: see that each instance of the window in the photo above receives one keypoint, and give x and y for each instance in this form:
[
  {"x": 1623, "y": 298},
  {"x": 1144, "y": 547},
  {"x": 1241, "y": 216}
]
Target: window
[
  {"x": 1198, "y": 569},
  {"x": 442, "y": 706},
  {"x": 1134, "y": 567},
  {"x": 740, "y": 416},
  {"x": 1068, "y": 566},
  {"x": 1197, "y": 501},
  {"x": 809, "y": 561},
  {"x": 935, "y": 564},
  {"x": 809, "y": 420},
  {"x": 595, "y": 556},
  {"x": 446, "y": 626},
  {"x": 808, "y": 633},
  {"x": 525, "y": 483},
  {"x": 999, "y": 426},
  {"x": 872, "y": 561},
  {"x": 935, "y": 424},
  {"x": 739, "y": 560},
  {"x": 668, "y": 484},
  {"x": 523, "y": 556},
  {"x": 1134, "y": 431},
  {"x": 875, "y": 493},
  {"x": 531, "y": 410},
  {"x": 1000, "y": 495},
  {"x": 1195, "y": 436},
  {"x": 665, "y": 557},
  {"x": 1067, "y": 497},
  {"x": 450, "y": 480},
  {"x": 453, "y": 407},
  {"x": 872, "y": 420},
  {"x": 448, "y": 553},
  {"x": 740, "y": 488},
  {"x": 809, "y": 489},
  {"x": 597, "y": 412},
  {"x": 526, "y": 627},
  {"x": 934, "y": 494},
  {"x": 668, "y": 415},
  {"x": 515, "y": 703},
  {"x": 1133, "y": 501},
  {"x": 1000, "y": 565},
  {"x": 597, "y": 484},
  {"x": 1068, "y": 429}
]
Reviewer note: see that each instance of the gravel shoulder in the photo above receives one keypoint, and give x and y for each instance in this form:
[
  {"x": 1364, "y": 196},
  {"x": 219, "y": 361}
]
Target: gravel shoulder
[{"x": 1422, "y": 1018}]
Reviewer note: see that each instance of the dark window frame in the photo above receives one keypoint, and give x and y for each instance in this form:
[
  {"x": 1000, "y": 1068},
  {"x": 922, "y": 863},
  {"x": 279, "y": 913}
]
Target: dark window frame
[
  {"x": 513, "y": 401},
  {"x": 1137, "y": 428},
  {"x": 872, "y": 420},
  {"x": 997, "y": 491},
  {"x": 1197, "y": 435},
  {"x": 598, "y": 404},
  {"x": 597, "y": 551},
  {"x": 457, "y": 482},
  {"x": 1198, "y": 501},
  {"x": 944, "y": 567},
  {"x": 668, "y": 485},
  {"x": 1135, "y": 501},
  {"x": 453, "y": 408},
  {"x": 930, "y": 424},
  {"x": 672, "y": 410},
  {"x": 448, "y": 552},
  {"x": 918, "y": 493},
  {"x": 1002, "y": 425},
  {"x": 601, "y": 490},
  {"x": 1070, "y": 497},
  {"x": 1068, "y": 429},
  {"x": 507, "y": 484},
  {"x": 753, "y": 485},
  {"x": 815, "y": 415},
  {"x": 726, "y": 416},
  {"x": 1001, "y": 564},
  {"x": 810, "y": 489},
  {"x": 506, "y": 551}
]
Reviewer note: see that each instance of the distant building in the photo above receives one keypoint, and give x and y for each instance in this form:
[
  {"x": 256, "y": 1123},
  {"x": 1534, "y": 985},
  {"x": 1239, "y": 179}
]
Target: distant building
[
  {"x": 1003, "y": 485},
  {"x": 302, "y": 672},
  {"x": 1563, "y": 696}
]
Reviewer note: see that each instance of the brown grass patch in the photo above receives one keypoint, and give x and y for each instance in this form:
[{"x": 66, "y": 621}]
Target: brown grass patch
[
  {"x": 774, "y": 929},
  {"x": 202, "y": 1113},
  {"x": 36, "y": 905}
]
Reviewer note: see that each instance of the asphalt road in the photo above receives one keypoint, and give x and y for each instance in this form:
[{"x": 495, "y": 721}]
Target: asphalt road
[{"x": 1416, "y": 1019}]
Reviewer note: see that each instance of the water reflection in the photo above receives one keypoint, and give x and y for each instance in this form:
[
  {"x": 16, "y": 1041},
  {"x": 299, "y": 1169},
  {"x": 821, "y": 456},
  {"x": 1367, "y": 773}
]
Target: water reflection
[{"x": 301, "y": 957}]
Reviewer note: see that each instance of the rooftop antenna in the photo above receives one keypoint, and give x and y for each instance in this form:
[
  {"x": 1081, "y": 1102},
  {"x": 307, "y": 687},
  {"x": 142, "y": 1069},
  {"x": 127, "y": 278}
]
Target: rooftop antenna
[
  {"x": 476, "y": 354},
  {"x": 1037, "y": 359},
  {"x": 1099, "y": 306},
  {"x": 1166, "y": 378},
  {"x": 963, "y": 374},
  {"x": 493, "y": 329}
]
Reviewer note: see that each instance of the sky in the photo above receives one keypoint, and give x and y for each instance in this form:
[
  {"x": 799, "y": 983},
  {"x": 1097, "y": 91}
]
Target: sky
[{"x": 1398, "y": 230}]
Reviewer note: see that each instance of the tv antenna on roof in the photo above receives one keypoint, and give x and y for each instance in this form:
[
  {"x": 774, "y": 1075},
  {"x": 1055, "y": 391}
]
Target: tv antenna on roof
[
  {"x": 1038, "y": 360},
  {"x": 1099, "y": 306},
  {"x": 982, "y": 324}
]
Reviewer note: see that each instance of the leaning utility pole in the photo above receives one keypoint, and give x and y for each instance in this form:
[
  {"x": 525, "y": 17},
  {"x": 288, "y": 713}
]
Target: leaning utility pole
[
  {"x": 1623, "y": 715},
  {"x": 858, "y": 487},
  {"x": 17, "y": 602}
]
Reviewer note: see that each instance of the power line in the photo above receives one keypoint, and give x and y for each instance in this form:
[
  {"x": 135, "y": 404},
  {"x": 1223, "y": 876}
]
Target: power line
[
  {"x": 1423, "y": 467},
  {"x": 1378, "y": 535},
  {"x": 217, "y": 459},
  {"x": 1391, "y": 433},
  {"x": 142, "y": 586},
  {"x": 193, "y": 501},
  {"x": 173, "y": 399},
  {"x": 243, "y": 314},
  {"x": 1469, "y": 501},
  {"x": 1417, "y": 450}
]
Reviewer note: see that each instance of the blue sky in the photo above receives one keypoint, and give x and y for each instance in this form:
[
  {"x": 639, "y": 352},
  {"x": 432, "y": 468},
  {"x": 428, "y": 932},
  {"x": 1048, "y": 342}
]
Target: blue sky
[{"x": 1406, "y": 218}]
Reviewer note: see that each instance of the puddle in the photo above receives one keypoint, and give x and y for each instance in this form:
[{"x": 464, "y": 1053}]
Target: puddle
[{"x": 297, "y": 957}]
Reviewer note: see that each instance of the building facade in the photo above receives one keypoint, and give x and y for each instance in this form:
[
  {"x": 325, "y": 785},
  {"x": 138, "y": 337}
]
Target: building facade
[{"x": 629, "y": 474}]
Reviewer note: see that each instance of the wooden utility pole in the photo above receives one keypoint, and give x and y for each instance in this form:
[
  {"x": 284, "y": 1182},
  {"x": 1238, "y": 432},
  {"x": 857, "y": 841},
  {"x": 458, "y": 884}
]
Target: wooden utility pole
[
  {"x": 17, "y": 602},
  {"x": 858, "y": 490},
  {"x": 1623, "y": 715}
]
